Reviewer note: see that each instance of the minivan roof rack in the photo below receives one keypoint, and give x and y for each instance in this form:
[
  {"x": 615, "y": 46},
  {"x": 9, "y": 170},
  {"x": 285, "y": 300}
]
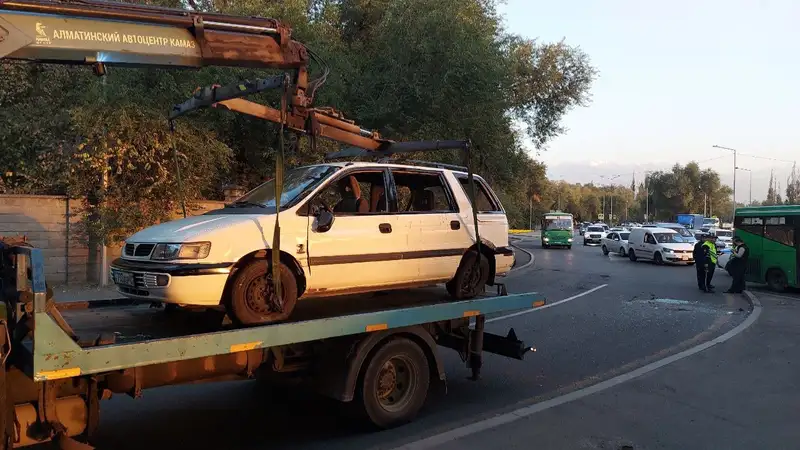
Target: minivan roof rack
[{"x": 416, "y": 162}]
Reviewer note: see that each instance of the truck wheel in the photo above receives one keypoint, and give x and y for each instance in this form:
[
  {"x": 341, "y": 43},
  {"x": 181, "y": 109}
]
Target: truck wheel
[
  {"x": 249, "y": 293},
  {"x": 776, "y": 280},
  {"x": 470, "y": 278},
  {"x": 393, "y": 384},
  {"x": 605, "y": 250}
]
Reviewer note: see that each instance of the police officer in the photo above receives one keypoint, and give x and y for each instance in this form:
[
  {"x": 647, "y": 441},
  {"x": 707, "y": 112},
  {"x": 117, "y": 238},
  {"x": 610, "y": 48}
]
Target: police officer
[
  {"x": 699, "y": 265},
  {"x": 708, "y": 262},
  {"x": 737, "y": 266}
]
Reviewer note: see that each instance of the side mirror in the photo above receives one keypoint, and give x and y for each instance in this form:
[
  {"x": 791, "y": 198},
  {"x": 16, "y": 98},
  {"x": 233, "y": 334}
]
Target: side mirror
[{"x": 324, "y": 221}]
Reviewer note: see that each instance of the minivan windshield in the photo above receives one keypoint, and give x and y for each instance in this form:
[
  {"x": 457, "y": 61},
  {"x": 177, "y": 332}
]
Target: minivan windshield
[
  {"x": 596, "y": 229},
  {"x": 682, "y": 231},
  {"x": 668, "y": 238},
  {"x": 297, "y": 184}
]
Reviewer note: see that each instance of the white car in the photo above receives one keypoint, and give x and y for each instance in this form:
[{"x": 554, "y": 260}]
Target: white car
[
  {"x": 661, "y": 245},
  {"x": 594, "y": 234},
  {"x": 344, "y": 228},
  {"x": 724, "y": 236},
  {"x": 616, "y": 242}
]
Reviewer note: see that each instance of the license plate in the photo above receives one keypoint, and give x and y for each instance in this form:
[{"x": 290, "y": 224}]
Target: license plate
[
  {"x": 684, "y": 257},
  {"x": 124, "y": 278}
]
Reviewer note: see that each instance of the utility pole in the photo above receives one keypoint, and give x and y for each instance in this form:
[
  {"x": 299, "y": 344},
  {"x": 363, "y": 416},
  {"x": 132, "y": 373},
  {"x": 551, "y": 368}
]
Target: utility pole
[
  {"x": 750, "y": 199},
  {"x": 530, "y": 213},
  {"x": 733, "y": 213}
]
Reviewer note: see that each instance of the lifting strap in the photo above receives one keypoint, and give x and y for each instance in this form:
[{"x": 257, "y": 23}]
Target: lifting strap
[{"x": 276, "y": 236}]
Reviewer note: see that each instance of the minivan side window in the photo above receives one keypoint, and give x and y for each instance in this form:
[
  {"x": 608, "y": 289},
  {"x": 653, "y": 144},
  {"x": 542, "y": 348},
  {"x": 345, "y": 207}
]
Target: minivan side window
[
  {"x": 650, "y": 239},
  {"x": 485, "y": 202},
  {"x": 421, "y": 192}
]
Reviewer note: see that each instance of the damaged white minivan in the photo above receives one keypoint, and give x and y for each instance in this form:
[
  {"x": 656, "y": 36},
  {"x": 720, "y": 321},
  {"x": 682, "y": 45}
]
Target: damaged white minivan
[{"x": 345, "y": 228}]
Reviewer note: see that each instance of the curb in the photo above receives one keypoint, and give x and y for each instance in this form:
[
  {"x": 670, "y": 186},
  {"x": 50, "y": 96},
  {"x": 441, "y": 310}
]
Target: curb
[
  {"x": 753, "y": 300},
  {"x": 527, "y": 264}
]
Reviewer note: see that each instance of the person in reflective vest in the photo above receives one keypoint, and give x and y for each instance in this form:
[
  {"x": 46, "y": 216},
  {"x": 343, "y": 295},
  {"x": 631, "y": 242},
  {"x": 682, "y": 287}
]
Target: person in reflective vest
[{"x": 709, "y": 261}]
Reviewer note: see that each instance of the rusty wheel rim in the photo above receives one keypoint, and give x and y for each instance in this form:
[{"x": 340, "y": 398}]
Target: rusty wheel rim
[
  {"x": 260, "y": 296},
  {"x": 395, "y": 383}
]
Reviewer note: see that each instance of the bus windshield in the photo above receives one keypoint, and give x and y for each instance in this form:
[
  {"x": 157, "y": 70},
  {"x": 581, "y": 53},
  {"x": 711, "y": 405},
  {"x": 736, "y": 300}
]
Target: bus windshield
[{"x": 557, "y": 223}]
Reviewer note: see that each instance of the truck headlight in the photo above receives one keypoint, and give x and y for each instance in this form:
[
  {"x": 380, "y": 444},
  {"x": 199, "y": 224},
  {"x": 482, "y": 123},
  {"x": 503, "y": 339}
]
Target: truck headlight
[
  {"x": 546, "y": 239},
  {"x": 190, "y": 250},
  {"x": 569, "y": 240}
]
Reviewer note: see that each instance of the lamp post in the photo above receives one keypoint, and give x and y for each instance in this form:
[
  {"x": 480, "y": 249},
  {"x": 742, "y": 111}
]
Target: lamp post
[
  {"x": 750, "y": 199},
  {"x": 610, "y": 180},
  {"x": 734, "y": 175}
]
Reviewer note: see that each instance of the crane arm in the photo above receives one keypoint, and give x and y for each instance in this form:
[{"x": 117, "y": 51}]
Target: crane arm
[{"x": 120, "y": 34}]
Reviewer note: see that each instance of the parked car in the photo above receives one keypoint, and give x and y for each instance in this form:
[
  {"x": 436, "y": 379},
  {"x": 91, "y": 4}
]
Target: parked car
[
  {"x": 680, "y": 229},
  {"x": 616, "y": 242},
  {"x": 345, "y": 228},
  {"x": 593, "y": 235},
  {"x": 661, "y": 245}
]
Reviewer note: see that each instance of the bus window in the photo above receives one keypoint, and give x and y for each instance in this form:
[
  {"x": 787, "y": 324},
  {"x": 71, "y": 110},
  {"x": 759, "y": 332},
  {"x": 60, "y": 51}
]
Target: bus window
[
  {"x": 779, "y": 231},
  {"x": 753, "y": 225}
]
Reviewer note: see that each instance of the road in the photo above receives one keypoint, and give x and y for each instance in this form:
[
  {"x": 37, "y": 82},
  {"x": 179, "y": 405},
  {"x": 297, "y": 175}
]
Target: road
[{"x": 606, "y": 316}]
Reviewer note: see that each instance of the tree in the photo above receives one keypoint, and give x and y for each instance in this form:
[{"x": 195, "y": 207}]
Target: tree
[
  {"x": 793, "y": 187},
  {"x": 772, "y": 193}
]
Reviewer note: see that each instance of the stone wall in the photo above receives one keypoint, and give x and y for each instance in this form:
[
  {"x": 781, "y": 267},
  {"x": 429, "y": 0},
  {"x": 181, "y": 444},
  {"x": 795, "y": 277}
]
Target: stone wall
[{"x": 43, "y": 220}]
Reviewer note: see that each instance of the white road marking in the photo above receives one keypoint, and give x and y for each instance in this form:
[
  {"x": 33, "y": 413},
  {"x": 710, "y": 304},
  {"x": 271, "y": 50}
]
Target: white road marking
[
  {"x": 501, "y": 419},
  {"x": 549, "y": 305}
]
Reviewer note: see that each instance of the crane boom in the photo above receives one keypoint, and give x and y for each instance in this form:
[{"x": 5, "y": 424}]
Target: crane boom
[{"x": 120, "y": 34}]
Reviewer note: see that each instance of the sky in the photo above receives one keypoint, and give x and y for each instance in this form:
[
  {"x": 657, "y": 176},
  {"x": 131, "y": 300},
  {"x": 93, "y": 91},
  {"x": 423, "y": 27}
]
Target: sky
[{"x": 675, "y": 79}]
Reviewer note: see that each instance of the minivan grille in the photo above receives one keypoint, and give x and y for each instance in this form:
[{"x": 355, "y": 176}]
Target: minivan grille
[{"x": 139, "y": 249}]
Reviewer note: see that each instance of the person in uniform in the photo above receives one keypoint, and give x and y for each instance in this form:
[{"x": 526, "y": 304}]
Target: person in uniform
[
  {"x": 737, "y": 266},
  {"x": 709, "y": 261},
  {"x": 699, "y": 261}
]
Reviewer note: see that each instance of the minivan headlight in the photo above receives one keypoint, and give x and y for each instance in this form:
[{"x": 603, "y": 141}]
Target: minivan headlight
[
  {"x": 667, "y": 250},
  {"x": 189, "y": 250}
]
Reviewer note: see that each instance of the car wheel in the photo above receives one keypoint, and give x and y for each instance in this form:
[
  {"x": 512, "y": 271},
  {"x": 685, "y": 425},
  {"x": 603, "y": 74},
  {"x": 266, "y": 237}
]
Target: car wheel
[
  {"x": 776, "y": 280},
  {"x": 632, "y": 255},
  {"x": 584, "y": 243},
  {"x": 622, "y": 252},
  {"x": 605, "y": 250},
  {"x": 393, "y": 384},
  {"x": 470, "y": 278},
  {"x": 658, "y": 259},
  {"x": 250, "y": 300}
]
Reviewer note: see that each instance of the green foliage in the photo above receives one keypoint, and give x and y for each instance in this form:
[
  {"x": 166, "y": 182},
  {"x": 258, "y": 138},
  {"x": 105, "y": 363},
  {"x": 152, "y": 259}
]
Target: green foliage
[{"x": 413, "y": 69}]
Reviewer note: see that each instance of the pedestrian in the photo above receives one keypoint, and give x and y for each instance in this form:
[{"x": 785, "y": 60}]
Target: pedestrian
[
  {"x": 709, "y": 261},
  {"x": 699, "y": 264},
  {"x": 737, "y": 266}
]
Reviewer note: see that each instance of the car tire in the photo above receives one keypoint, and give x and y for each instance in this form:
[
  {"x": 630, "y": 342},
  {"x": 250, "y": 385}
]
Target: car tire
[
  {"x": 466, "y": 283},
  {"x": 776, "y": 280},
  {"x": 632, "y": 255},
  {"x": 584, "y": 243},
  {"x": 622, "y": 251},
  {"x": 380, "y": 398},
  {"x": 247, "y": 304},
  {"x": 658, "y": 259},
  {"x": 605, "y": 250}
]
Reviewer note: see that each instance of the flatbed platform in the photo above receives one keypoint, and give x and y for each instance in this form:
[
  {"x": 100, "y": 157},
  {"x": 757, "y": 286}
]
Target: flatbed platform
[{"x": 131, "y": 322}]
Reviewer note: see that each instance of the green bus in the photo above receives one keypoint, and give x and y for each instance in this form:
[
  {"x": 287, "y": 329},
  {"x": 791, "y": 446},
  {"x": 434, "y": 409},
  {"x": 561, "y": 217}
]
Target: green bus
[
  {"x": 773, "y": 235},
  {"x": 557, "y": 229}
]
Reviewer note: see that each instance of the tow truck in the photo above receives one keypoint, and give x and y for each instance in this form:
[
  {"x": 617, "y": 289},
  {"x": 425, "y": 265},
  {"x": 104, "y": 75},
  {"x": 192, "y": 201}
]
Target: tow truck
[{"x": 60, "y": 359}]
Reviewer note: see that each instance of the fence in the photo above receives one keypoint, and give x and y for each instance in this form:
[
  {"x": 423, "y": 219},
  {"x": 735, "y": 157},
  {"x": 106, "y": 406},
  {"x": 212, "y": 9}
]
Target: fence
[{"x": 48, "y": 223}]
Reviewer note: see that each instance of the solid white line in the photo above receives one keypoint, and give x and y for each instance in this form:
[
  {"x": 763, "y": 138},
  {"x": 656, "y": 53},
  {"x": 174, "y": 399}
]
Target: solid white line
[
  {"x": 549, "y": 305},
  {"x": 501, "y": 419}
]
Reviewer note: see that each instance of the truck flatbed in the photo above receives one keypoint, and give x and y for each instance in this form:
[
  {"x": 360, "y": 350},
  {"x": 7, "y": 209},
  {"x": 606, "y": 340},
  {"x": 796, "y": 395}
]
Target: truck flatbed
[{"x": 61, "y": 359}]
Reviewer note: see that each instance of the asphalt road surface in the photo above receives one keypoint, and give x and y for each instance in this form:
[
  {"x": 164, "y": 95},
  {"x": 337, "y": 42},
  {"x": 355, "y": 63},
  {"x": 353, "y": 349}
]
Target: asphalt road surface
[{"x": 605, "y": 316}]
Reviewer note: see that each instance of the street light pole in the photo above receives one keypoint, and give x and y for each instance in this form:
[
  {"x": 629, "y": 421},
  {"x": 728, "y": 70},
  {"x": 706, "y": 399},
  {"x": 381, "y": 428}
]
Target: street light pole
[
  {"x": 734, "y": 176},
  {"x": 750, "y": 200}
]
